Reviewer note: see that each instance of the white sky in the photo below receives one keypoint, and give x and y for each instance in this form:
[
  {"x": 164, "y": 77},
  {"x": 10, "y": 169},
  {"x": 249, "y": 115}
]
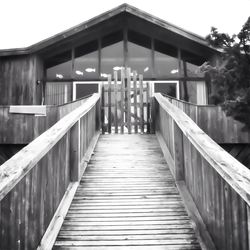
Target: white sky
[{"x": 25, "y": 22}]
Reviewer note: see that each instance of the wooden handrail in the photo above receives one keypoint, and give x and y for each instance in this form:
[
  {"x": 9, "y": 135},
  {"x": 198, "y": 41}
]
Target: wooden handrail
[
  {"x": 232, "y": 171},
  {"x": 13, "y": 170}
]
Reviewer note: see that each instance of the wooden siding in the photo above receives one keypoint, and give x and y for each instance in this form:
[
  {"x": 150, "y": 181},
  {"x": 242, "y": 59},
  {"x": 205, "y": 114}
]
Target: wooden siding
[
  {"x": 218, "y": 183},
  {"x": 57, "y": 93},
  {"x": 127, "y": 199},
  {"x": 23, "y": 128},
  {"x": 214, "y": 122},
  {"x": 18, "y": 80},
  {"x": 33, "y": 182}
]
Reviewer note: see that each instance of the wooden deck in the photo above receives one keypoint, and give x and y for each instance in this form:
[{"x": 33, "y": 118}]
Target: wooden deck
[{"x": 127, "y": 199}]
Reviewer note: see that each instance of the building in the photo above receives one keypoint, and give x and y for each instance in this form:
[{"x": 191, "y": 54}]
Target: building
[{"x": 53, "y": 71}]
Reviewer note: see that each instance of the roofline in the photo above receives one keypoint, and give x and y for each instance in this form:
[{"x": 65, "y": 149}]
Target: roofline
[{"x": 102, "y": 17}]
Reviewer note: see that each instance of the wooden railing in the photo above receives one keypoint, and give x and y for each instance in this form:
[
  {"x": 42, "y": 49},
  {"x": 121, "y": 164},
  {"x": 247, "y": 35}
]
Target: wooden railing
[
  {"x": 218, "y": 184},
  {"x": 214, "y": 122},
  {"x": 34, "y": 181},
  {"x": 23, "y": 128}
]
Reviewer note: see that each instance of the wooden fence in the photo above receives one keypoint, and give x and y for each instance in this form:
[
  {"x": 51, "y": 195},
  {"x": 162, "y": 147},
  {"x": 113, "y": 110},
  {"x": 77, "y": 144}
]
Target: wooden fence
[
  {"x": 214, "y": 122},
  {"x": 57, "y": 93},
  {"x": 23, "y": 128},
  {"x": 126, "y": 103},
  {"x": 34, "y": 181},
  {"x": 218, "y": 184}
]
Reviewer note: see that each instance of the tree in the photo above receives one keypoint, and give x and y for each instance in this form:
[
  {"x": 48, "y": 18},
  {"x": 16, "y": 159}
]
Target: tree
[{"x": 229, "y": 80}]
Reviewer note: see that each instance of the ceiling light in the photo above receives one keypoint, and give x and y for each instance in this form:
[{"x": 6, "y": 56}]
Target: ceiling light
[
  {"x": 104, "y": 75},
  {"x": 60, "y": 76},
  {"x": 174, "y": 71},
  {"x": 89, "y": 70},
  {"x": 117, "y": 68},
  {"x": 78, "y": 72}
]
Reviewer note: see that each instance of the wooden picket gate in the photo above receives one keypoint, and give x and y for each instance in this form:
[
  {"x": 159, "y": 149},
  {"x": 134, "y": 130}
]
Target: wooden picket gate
[{"x": 125, "y": 103}]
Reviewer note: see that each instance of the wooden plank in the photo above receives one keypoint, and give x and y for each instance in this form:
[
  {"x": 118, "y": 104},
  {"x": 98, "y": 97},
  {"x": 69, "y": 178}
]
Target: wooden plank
[
  {"x": 200, "y": 229},
  {"x": 102, "y": 109},
  {"x": 117, "y": 207},
  {"x": 25, "y": 109},
  {"x": 141, "y": 104},
  {"x": 109, "y": 105},
  {"x": 75, "y": 156},
  {"x": 13, "y": 170},
  {"x": 128, "y": 72},
  {"x": 148, "y": 108},
  {"x": 53, "y": 229},
  {"x": 122, "y": 99},
  {"x": 116, "y": 102},
  {"x": 233, "y": 172},
  {"x": 178, "y": 153},
  {"x": 135, "y": 102}
]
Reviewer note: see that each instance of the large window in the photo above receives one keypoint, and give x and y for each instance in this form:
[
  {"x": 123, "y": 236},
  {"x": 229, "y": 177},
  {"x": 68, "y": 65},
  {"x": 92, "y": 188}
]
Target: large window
[
  {"x": 86, "y": 62},
  {"x": 111, "y": 59},
  {"x": 60, "y": 66},
  {"x": 166, "y": 62},
  {"x": 139, "y": 59}
]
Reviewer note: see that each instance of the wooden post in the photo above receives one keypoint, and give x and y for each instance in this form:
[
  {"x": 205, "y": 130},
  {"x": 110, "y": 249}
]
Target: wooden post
[
  {"x": 75, "y": 152},
  {"x": 103, "y": 109},
  {"x": 148, "y": 109},
  {"x": 141, "y": 104},
  {"x": 178, "y": 153},
  {"x": 115, "y": 97},
  {"x": 122, "y": 100},
  {"x": 135, "y": 102},
  {"x": 109, "y": 104},
  {"x": 129, "y": 100}
]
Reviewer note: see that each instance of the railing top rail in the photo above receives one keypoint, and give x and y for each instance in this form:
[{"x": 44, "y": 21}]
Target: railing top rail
[
  {"x": 231, "y": 170},
  {"x": 189, "y": 103},
  {"x": 13, "y": 170}
]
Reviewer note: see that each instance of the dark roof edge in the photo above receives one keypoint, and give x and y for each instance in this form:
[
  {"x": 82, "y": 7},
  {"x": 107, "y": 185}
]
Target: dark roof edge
[{"x": 102, "y": 17}]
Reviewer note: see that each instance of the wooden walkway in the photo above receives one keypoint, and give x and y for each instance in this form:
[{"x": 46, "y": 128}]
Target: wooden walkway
[{"x": 127, "y": 199}]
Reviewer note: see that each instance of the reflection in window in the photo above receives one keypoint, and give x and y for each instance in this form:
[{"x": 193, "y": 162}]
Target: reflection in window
[
  {"x": 111, "y": 58},
  {"x": 165, "y": 65},
  {"x": 167, "y": 88},
  {"x": 139, "y": 59},
  {"x": 166, "y": 60},
  {"x": 193, "y": 70},
  {"x": 86, "y": 61},
  {"x": 59, "y": 67},
  {"x": 86, "y": 66}
]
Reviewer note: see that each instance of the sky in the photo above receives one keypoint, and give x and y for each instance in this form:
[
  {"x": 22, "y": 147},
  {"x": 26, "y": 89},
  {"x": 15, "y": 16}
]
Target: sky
[{"x": 25, "y": 22}]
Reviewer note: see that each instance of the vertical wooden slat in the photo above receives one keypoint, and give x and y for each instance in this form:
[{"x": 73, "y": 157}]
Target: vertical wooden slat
[
  {"x": 102, "y": 108},
  {"x": 141, "y": 104},
  {"x": 122, "y": 99},
  {"x": 109, "y": 105},
  {"x": 135, "y": 102},
  {"x": 115, "y": 100},
  {"x": 129, "y": 100},
  {"x": 248, "y": 225},
  {"x": 178, "y": 153},
  {"x": 148, "y": 108},
  {"x": 75, "y": 146}
]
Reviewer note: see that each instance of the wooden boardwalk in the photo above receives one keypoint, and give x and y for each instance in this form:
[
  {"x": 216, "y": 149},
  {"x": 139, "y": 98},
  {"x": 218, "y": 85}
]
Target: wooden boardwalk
[{"x": 127, "y": 199}]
